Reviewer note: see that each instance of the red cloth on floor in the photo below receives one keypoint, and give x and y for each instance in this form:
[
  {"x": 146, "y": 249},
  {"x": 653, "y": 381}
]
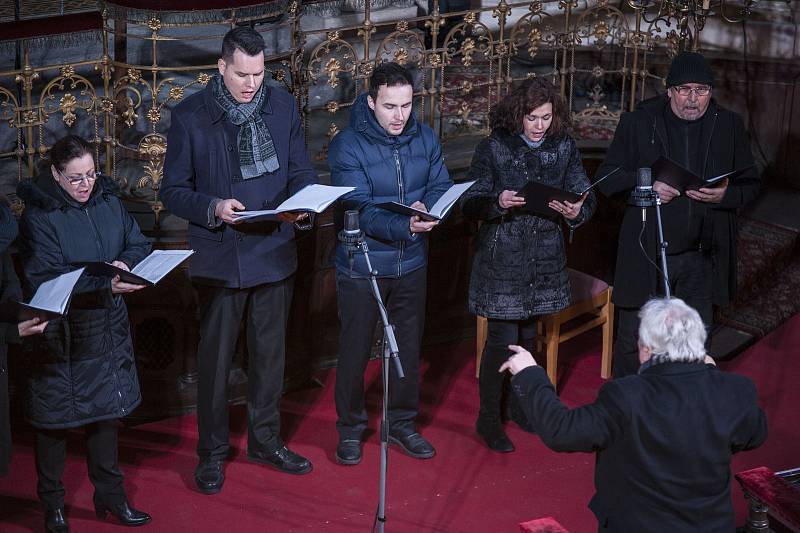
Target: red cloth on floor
[{"x": 547, "y": 524}]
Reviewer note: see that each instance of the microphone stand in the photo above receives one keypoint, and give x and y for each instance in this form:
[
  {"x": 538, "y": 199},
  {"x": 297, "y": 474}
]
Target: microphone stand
[
  {"x": 662, "y": 244},
  {"x": 390, "y": 351}
]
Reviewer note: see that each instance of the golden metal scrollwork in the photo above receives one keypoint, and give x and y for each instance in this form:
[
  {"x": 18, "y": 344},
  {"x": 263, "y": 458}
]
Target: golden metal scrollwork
[
  {"x": 8, "y": 107},
  {"x": 603, "y": 55},
  {"x": 77, "y": 94},
  {"x": 532, "y": 32},
  {"x": 402, "y": 46},
  {"x": 332, "y": 58},
  {"x": 467, "y": 40},
  {"x": 153, "y": 147},
  {"x": 602, "y": 25}
]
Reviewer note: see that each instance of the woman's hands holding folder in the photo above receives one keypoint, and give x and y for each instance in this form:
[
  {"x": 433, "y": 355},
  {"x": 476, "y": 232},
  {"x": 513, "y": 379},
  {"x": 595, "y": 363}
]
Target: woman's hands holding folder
[
  {"x": 509, "y": 199},
  {"x": 568, "y": 210},
  {"x": 117, "y": 286}
]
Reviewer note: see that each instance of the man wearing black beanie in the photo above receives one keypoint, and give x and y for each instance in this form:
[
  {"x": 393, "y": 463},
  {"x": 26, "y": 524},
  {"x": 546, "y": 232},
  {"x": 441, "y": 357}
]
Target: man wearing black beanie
[{"x": 689, "y": 127}]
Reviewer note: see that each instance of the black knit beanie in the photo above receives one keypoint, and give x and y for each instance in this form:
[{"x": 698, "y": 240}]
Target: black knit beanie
[{"x": 689, "y": 67}]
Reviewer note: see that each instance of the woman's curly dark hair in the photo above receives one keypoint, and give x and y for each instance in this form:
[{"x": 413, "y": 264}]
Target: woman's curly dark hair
[{"x": 524, "y": 98}]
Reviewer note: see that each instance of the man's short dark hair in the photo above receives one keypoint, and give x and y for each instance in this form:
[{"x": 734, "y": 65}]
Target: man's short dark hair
[
  {"x": 245, "y": 39},
  {"x": 389, "y": 74}
]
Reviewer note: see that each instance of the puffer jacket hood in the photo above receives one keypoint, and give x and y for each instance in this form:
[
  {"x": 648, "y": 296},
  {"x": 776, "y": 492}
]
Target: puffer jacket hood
[{"x": 45, "y": 193}]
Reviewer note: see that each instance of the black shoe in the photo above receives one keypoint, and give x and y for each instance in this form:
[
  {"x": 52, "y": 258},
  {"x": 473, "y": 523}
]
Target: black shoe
[
  {"x": 127, "y": 515},
  {"x": 495, "y": 436},
  {"x": 283, "y": 459},
  {"x": 55, "y": 521},
  {"x": 348, "y": 452},
  {"x": 413, "y": 444},
  {"x": 209, "y": 476}
]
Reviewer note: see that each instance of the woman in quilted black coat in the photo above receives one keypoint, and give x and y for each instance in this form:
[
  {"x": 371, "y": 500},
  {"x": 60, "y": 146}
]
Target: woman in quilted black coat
[
  {"x": 83, "y": 373},
  {"x": 519, "y": 269}
]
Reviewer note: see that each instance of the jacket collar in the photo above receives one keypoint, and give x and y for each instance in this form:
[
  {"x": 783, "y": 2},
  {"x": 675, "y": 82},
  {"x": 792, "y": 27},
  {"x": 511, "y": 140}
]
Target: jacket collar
[
  {"x": 671, "y": 368},
  {"x": 656, "y": 106},
  {"x": 43, "y": 192},
  {"x": 217, "y": 113},
  {"x": 516, "y": 144}
]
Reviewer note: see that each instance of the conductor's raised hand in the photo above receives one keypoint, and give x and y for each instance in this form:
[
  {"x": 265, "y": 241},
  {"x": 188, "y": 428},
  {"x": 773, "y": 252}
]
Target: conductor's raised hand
[
  {"x": 509, "y": 199},
  {"x": 416, "y": 224},
  {"x": 519, "y": 360},
  {"x": 665, "y": 192},
  {"x": 226, "y": 210},
  {"x": 121, "y": 287}
]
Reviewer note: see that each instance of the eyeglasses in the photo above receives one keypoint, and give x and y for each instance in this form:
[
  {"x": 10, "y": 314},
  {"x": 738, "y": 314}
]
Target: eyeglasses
[
  {"x": 77, "y": 180},
  {"x": 684, "y": 90}
]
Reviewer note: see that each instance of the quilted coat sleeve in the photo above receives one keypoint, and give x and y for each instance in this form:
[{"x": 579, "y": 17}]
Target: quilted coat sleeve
[{"x": 480, "y": 201}]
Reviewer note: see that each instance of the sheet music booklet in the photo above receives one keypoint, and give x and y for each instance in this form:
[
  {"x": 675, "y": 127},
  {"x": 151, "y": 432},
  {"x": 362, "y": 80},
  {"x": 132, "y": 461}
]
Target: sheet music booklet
[
  {"x": 148, "y": 272},
  {"x": 51, "y": 300},
  {"x": 438, "y": 211},
  {"x": 313, "y": 198}
]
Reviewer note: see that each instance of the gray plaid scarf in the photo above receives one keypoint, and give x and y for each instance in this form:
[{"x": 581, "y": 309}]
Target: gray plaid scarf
[{"x": 256, "y": 150}]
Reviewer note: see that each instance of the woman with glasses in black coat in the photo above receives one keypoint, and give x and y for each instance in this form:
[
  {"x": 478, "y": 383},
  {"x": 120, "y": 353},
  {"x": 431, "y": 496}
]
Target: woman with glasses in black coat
[{"x": 84, "y": 373}]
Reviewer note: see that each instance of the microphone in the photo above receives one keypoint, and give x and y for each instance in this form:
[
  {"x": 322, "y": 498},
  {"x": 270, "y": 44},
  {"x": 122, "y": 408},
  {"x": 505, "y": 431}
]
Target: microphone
[
  {"x": 351, "y": 236},
  {"x": 642, "y": 195}
]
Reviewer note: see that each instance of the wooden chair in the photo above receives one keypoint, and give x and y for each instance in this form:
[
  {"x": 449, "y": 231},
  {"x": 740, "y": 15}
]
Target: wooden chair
[{"x": 590, "y": 297}]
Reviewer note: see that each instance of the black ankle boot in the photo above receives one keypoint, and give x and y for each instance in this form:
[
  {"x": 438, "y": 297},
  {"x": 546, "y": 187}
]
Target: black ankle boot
[
  {"x": 127, "y": 515},
  {"x": 494, "y": 435},
  {"x": 55, "y": 521}
]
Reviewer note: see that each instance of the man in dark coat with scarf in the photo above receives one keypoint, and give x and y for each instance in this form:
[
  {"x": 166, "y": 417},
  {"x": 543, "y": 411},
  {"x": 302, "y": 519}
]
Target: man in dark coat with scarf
[
  {"x": 237, "y": 145},
  {"x": 387, "y": 156},
  {"x": 664, "y": 438},
  {"x": 689, "y": 127}
]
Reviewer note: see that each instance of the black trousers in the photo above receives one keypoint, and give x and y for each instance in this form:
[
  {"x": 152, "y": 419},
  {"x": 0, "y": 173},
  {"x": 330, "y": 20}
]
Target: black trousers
[
  {"x": 404, "y": 298},
  {"x": 690, "y": 275},
  {"x": 101, "y": 459},
  {"x": 221, "y": 311},
  {"x": 500, "y": 334}
]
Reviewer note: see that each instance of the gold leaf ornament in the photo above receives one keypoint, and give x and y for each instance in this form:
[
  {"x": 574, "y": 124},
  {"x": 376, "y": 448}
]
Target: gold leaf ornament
[{"x": 67, "y": 105}]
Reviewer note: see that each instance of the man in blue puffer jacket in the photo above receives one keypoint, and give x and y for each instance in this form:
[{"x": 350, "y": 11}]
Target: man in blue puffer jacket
[{"x": 387, "y": 156}]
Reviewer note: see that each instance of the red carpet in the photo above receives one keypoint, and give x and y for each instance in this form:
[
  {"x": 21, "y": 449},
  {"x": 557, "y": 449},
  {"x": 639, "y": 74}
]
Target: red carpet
[{"x": 464, "y": 488}]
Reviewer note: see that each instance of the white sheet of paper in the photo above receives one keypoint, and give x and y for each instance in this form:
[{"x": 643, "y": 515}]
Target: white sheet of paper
[
  {"x": 53, "y": 295},
  {"x": 313, "y": 197},
  {"x": 159, "y": 263},
  {"x": 449, "y": 198}
]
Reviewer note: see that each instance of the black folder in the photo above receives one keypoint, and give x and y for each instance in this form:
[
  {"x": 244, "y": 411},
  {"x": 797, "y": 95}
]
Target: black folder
[
  {"x": 101, "y": 268},
  {"x": 11, "y": 311},
  {"x": 538, "y": 195},
  {"x": 668, "y": 171}
]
